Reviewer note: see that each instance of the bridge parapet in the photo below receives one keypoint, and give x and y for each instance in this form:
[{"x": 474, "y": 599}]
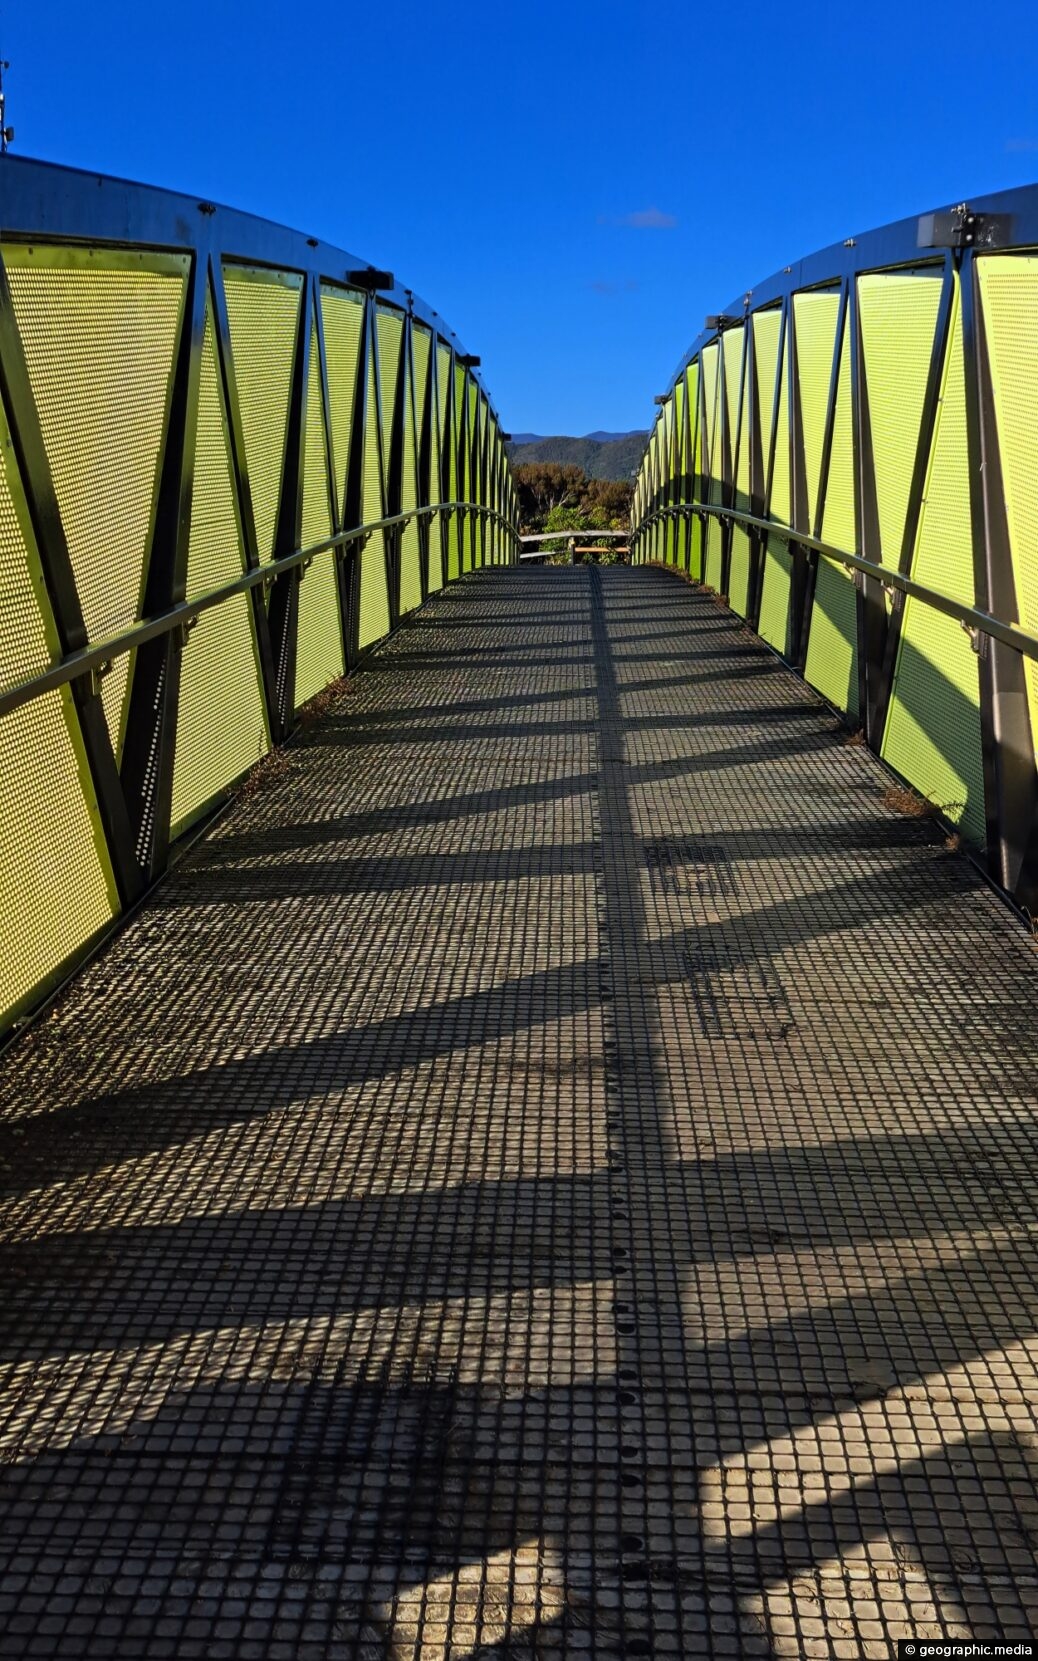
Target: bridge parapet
[
  {"x": 847, "y": 456},
  {"x": 232, "y": 458}
]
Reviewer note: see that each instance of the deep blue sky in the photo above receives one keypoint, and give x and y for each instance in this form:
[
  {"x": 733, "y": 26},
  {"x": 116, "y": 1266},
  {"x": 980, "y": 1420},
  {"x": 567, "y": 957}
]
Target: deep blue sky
[{"x": 499, "y": 161}]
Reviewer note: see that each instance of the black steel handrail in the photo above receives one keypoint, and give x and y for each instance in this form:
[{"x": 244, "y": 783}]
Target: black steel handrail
[
  {"x": 971, "y": 617},
  {"x": 90, "y": 659}
]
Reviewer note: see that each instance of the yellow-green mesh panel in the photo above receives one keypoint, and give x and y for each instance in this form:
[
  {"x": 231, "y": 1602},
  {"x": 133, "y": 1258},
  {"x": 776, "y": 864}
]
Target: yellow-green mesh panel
[
  {"x": 390, "y": 330},
  {"x": 374, "y": 599},
  {"x": 739, "y": 577},
  {"x": 28, "y": 640},
  {"x": 410, "y": 548},
  {"x": 832, "y": 652},
  {"x": 695, "y": 563},
  {"x": 422, "y": 348},
  {"x": 449, "y": 430},
  {"x": 933, "y": 726},
  {"x": 436, "y": 529},
  {"x": 422, "y": 369},
  {"x": 680, "y": 453},
  {"x": 317, "y": 517},
  {"x": 56, "y": 888},
  {"x": 445, "y": 448},
  {"x": 342, "y": 314},
  {"x": 781, "y": 506},
  {"x": 461, "y": 433},
  {"x": 767, "y": 326},
  {"x": 100, "y": 335},
  {"x": 710, "y": 359},
  {"x": 1009, "y": 296},
  {"x": 692, "y": 457},
  {"x": 263, "y": 317},
  {"x": 390, "y": 327},
  {"x": 732, "y": 342},
  {"x": 319, "y": 643},
  {"x": 221, "y": 722},
  {"x": 742, "y": 458},
  {"x": 838, "y": 513},
  {"x": 435, "y": 552},
  {"x": 774, "y": 605},
  {"x": 319, "y": 648},
  {"x": 452, "y": 532},
  {"x": 898, "y": 316},
  {"x": 472, "y": 495},
  {"x": 815, "y": 317}
]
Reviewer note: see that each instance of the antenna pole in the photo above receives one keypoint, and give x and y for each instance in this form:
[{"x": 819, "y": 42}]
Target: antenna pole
[{"x": 6, "y": 132}]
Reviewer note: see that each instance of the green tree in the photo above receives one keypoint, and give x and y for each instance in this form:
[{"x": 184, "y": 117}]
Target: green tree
[{"x": 542, "y": 486}]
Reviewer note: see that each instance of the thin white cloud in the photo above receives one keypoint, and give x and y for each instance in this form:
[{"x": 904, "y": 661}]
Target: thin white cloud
[{"x": 645, "y": 219}]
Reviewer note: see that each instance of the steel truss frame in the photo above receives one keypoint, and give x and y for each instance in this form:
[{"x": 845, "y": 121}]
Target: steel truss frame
[
  {"x": 53, "y": 206},
  {"x": 1004, "y": 223}
]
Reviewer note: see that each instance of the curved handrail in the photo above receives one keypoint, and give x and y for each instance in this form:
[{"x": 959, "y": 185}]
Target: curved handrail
[
  {"x": 97, "y": 657},
  {"x": 1010, "y": 634}
]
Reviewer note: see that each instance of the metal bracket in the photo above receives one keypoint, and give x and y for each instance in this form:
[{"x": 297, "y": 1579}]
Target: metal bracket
[
  {"x": 978, "y": 639},
  {"x": 185, "y": 628},
  {"x": 960, "y": 227},
  {"x": 97, "y": 675},
  {"x": 895, "y": 594},
  {"x": 721, "y": 320},
  {"x": 370, "y": 279}
]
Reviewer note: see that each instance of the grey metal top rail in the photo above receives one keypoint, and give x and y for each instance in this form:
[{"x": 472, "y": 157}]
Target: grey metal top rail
[
  {"x": 94, "y": 659},
  {"x": 971, "y": 617}
]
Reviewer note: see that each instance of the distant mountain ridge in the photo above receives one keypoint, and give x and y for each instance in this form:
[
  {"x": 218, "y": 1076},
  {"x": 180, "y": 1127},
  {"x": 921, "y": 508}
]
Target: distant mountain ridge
[{"x": 602, "y": 455}]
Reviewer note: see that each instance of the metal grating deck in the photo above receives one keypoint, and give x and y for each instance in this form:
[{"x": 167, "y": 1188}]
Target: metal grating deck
[{"x": 553, "y": 1173}]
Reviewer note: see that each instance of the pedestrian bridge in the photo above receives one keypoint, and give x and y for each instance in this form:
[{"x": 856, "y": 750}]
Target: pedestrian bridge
[{"x": 518, "y": 1132}]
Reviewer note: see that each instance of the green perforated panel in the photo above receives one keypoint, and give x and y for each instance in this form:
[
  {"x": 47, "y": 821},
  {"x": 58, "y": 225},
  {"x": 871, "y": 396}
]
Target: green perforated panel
[
  {"x": 739, "y": 578},
  {"x": 815, "y": 318},
  {"x": 898, "y": 316},
  {"x": 56, "y": 888},
  {"x": 781, "y": 499},
  {"x": 390, "y": 329},
  {"x": 410, "y": 545},
  {"x": 99, "y": 332},
  {"x": 832, "y": 647},
  {"x": 374, "y": 595},
  {"x": 838, "y": 523},
  {"x": 436, "y": 529},
  {"x": 471, "y": 544},
  {"x": 832, "y": 652},
  {"x": 680, "y": 447},
  {"x": 28, "y": 642},
  {"x": 713, "y": 420},
  {"x": 342, "y": 315},
  {"x": 774, "y": 605},
  {"x": 732, "y": 341},
  {"x": 450, "y": 419},
  {"x": 374, "y": 598},
  {"x": 933, "y": 724},
  {"x": 263, "y": 318},
  {"x": 221, "y": 723},
  {"x": 319, "y": 657},
  {"x": 1009, "y": 297},
  {"x": 767, "y": 328}
]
